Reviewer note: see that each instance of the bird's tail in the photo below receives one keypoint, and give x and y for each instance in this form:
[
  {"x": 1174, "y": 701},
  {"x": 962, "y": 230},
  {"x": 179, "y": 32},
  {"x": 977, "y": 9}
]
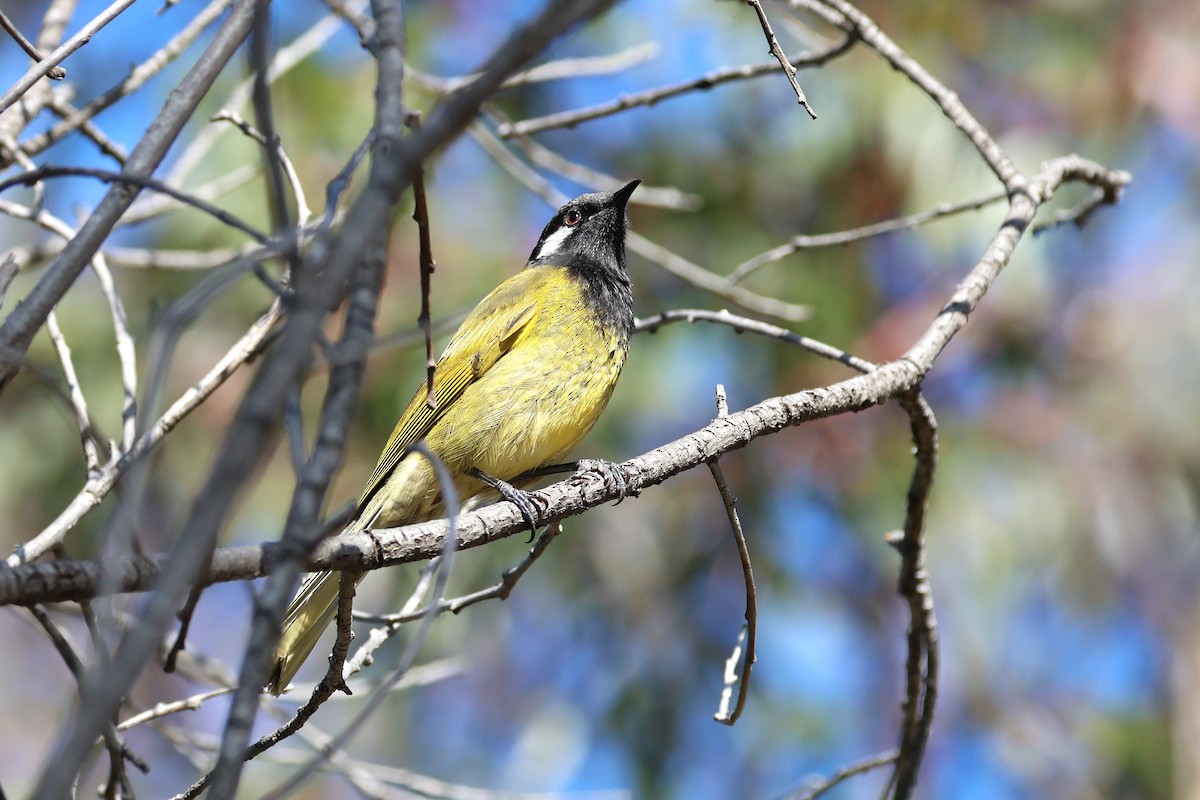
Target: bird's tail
[{"x": 307, "y": 618}]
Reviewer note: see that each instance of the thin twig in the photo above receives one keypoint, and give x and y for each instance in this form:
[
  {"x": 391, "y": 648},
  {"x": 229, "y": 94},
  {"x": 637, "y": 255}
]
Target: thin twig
[
  {"x": 90, "y": 130},
  {"x": 119, "y": 751},
  {"x": 157, "y": 204},
  {"x": 650, "y": 97},
  {"x": 951, "y": 105},
  {"x": 303, "y": 212},
  {"x": 48, "y": 63},
  {"x": 161, "y": 710},
  {"x": 286, "y": 58},
  {"x": 1080, "y": 214},
  {"x": 749, "y": 632},
  {"x": 136, "y": 79},
  {"x": 22, "y": 324},
  {"x": 108, "y": 176},
  {"x": 408, "y": 612},
  {"x": 8, "y": 271},
  {"x": 838, "y": 238},
  {"x": 670, "y": 261},
  {"x": 428, "y": 265},
  {"x": 550, "y": 71},
  {"x": 500, "y": 590},
  {"x": 921, "y": 670},
  {"x": 866, "y": 765},
  {"x": 126, "y": 352},
  {"x": 780, "y": 56},
  {"x": 125, "y": 348},
  {"x": 56, "y": 74},
  {"x": 745, "y": 324},
  {"x": 87, "y": 431},
  {"x": 544, "y": 157},
  {"x": 331, "y": 683}
]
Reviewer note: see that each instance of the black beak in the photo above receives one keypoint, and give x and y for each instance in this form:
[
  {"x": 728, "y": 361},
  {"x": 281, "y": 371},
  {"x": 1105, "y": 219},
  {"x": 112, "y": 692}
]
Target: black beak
[{"x": 621, "y": 196}]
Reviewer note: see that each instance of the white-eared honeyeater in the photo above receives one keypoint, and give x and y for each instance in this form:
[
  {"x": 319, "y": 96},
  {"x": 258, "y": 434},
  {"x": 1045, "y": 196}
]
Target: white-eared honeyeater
[{"x": 520, "y": 384}]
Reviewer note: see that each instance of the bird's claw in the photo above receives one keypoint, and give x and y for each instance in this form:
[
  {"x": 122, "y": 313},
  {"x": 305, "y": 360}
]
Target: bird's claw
[
  {"x": 612, "y": 474},
  {"x": 521, "y": 499}
]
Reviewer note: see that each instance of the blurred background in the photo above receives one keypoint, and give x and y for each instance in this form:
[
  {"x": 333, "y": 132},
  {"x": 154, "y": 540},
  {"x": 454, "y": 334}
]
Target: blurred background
[{"x": 1062, "y": 537}]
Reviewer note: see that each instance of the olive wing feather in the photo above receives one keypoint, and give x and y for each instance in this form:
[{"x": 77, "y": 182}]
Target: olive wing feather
[{"x": 486, "y": 335}]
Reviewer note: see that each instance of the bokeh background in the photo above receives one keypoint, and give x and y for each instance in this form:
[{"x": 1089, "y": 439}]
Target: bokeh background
[{"x": 1063, "y": 527}]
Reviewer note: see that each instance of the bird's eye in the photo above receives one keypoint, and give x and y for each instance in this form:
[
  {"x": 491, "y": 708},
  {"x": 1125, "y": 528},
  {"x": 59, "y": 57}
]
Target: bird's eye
[{"x": 573, "y": 216}]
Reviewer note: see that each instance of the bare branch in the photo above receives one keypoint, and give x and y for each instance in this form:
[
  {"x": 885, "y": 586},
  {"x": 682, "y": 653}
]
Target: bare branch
[
  {"x": 428, "y": 265},
  {"x": 56, "y": 74},
  {"x": 99, "y": 486},
  {"x": 119, "y": 178},
  {"x": 44, "y": 66},
  {"x": 303, "y": 212},
  {"x": 375, "y": 549},
  {"x": 446, "y": 557},
  {"x": 409, "y": 612},
  {"x": 743, "y": 270},
  {"x": 19, "y": 328},
  {"x": 161, "y": 710},
  {"x": 864, "y": 28},
  {"x": 87, "y": 430},
  {"x": 8, "y": 271},
  {"x": 864, "y": 766},
  {"x": 740, "y": 324},
  {"x": 675, "y": 264},
  {"x": 550, "y": 71},
  {"x": 137, "y": 78},
  {"x": 156, "y": 204},
  {"x": 118, "y": 750},
  {"x": 497, "y": 591},
  {"x": 286, "y": 58},
  {"x": 749, "y": 632},
  {"x": 922, "y": 665},
  {"x": 104, "y": 143},
  {"x": 780, "y": 56},
  {"x": 544, "y": 157},
  {"x": 569, "y": 119}
]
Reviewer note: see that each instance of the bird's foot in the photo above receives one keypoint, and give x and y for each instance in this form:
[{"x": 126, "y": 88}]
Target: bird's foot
[
  {"x": 612, "y": 474},
  {"x": 521, "y": 499}
]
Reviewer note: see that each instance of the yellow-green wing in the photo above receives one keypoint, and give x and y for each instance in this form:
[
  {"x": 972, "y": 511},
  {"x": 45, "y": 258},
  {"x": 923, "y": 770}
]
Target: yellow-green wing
[{"x": 487, "y": 333}]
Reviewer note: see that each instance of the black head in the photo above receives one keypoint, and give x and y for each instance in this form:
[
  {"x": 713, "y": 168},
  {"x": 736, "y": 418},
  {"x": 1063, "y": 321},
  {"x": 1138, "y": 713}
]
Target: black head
[{"x": 588, "y": 232}]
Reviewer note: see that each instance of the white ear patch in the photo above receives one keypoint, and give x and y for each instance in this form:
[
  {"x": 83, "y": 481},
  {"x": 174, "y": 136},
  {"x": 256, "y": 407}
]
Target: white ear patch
[{"x": 553, "y": 242}]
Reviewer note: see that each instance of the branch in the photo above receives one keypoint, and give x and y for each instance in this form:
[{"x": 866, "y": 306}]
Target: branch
[
  {"x": 550, "y": 71},
  {"x": 650, "y": 97},
  {"x": 47, "y": 64},
  {"x": 862, "y": 767},
  {"x": 749, "y": 632},
  {"x": 780, "y": 56},
  {"x": 137, "y": 78},
  {"x": 375, "y": 549},
  {"x": 135, "y": 181},
  {"x": 56, "y": 74},
  {"x": 675, "y": 264},
  {"x": 864, "y": 28},
  {"x": 838, "y": 238},
  {"x": 921, "y": 670},
  {"x": 408, "y": 657},
  {"x": 27, "y": 318}
]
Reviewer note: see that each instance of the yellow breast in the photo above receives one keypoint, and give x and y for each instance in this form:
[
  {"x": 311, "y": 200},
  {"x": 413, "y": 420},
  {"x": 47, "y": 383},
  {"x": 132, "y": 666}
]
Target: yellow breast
[{"x": 529, "y": 408}]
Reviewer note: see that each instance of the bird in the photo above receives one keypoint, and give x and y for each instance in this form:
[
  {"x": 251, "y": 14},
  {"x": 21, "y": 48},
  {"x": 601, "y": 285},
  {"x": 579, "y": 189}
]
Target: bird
[{"x": 520, "y": 384}]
